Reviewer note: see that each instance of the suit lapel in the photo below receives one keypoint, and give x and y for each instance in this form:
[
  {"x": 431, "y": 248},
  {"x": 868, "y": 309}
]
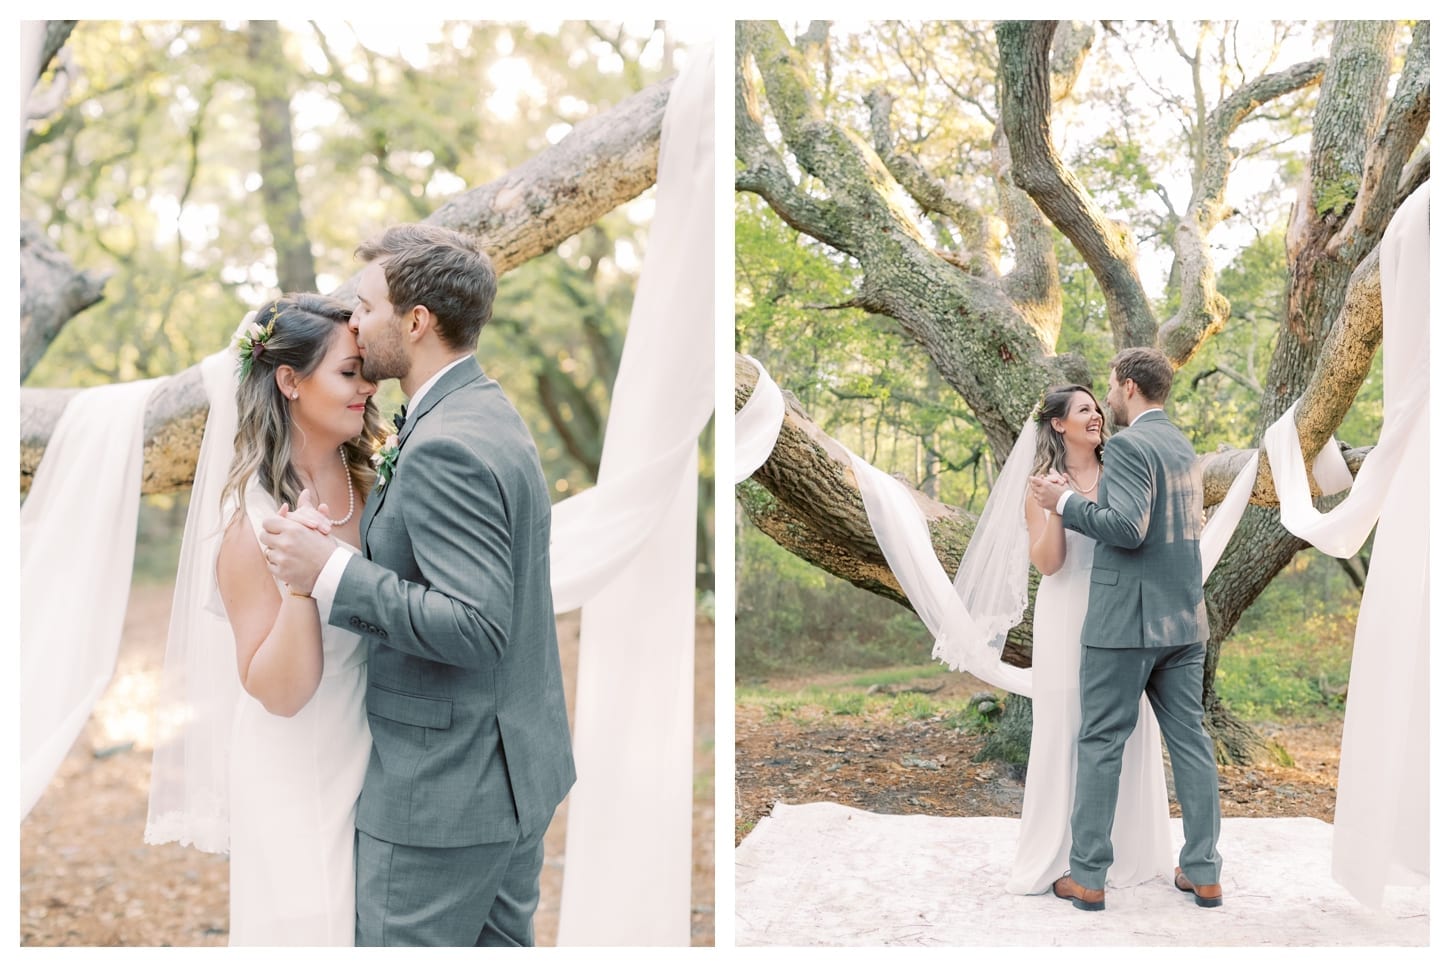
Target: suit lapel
[
  {"x": 370, "y": 509},
  {"x": 456, "y": 378}
]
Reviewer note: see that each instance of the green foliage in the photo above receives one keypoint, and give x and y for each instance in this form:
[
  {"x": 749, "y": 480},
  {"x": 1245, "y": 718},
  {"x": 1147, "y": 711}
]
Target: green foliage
[
  {"x": 856, "y": 373},
  {"x": 791, "y": 617},
  {"x": 1210, "y": 401},
  {"x": 1289, "y": 656},
  {"x": 1300, "y": 672}
]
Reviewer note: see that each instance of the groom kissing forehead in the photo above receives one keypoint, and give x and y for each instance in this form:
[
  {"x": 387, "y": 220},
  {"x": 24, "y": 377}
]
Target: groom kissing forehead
[{"x": 423, "y": 298}]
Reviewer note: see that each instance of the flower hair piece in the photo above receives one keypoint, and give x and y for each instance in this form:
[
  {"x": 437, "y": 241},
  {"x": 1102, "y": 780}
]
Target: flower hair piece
[
  {"x": 251, "y": 339},
  {"x": 1037, "y": 411}
]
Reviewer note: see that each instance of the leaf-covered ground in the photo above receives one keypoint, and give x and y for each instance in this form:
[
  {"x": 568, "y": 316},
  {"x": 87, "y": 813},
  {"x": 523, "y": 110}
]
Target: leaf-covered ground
[
  {"x": 798, "y": 750},
  {"x": 86, "y": 878}
]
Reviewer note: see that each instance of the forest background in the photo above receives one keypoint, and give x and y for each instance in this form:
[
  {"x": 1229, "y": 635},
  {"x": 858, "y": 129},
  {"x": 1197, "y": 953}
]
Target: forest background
[{"x": 1164, "y": 126}]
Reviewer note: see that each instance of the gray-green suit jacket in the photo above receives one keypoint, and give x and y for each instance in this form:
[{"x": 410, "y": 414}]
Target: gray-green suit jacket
[
  {"x": 465, "y": 697},
  {"x": 1147, "y": 578}
]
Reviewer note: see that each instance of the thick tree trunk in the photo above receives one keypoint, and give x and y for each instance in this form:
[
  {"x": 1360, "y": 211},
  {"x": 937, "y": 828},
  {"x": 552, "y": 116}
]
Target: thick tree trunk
[
  {"x": 599, "y": 166},
  {"x": 281, "y": 195}
]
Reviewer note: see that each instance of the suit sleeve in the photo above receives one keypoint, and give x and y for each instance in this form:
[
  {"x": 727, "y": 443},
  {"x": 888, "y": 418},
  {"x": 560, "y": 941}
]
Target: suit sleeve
[
  {"x": 457, "y": 523},
  {"x": 1127, "y": 487}
]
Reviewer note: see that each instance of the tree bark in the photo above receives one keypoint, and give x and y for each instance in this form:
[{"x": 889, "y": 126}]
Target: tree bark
[
  {"x": 1351, "y": 97},
  {"x": 281, "y": 195},
  {"x": 52, "y": 291},
  {"x": 980, "y": 341},
  {"x": 1202, "y": 310},
  {"x": 1108, "y": 248},
  {"x": 600, "y": 165}
]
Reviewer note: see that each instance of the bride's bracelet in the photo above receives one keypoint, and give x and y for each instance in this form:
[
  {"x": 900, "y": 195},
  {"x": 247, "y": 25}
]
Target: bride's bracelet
[{"x": 297, "y": 594}]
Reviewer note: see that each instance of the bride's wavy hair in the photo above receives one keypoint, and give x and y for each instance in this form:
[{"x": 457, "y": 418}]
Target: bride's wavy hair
[
  {"x": 1051, "y": 451},
  {"x": 303, "y": 328}
]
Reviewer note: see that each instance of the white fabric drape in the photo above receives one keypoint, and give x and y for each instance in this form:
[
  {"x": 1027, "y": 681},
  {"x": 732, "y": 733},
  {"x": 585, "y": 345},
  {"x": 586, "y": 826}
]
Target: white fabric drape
[
  {"x": 190, "y": 800},
  {"x": 627, "y": 870},
  {"x": 757, "y": 423},
  {"x": 77, "y": 547},
  {"x": 1382, "y": 809},
  {"x": 901, "y": 531}
]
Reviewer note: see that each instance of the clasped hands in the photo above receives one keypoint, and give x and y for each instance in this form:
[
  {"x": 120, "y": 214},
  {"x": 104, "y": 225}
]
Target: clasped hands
[
  {"x": 296, "y": 543},
  {"x": 1048, "y": 489}
]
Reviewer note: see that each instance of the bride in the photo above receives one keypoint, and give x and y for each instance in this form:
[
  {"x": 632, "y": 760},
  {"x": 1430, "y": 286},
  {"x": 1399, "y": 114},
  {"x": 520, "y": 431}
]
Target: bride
[
  {"x": 1066, "y": 438},
  {"x": 298, "y": 737}
]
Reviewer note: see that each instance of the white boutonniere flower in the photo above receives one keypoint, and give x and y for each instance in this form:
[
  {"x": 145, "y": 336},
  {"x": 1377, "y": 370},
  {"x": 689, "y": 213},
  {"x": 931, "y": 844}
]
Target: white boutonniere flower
[{"x": 385, "y": 458}]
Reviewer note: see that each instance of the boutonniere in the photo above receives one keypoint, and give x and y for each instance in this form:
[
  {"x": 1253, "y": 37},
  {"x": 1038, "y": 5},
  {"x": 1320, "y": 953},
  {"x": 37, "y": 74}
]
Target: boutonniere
[{"x": 385, "y": 458}]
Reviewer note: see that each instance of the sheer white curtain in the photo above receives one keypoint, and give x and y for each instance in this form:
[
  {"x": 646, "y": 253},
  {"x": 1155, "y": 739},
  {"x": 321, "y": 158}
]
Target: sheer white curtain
[
  {"x": 628, "y": 866},
  {"x": 77, "y": 546},
  {"x": 1382, "y": 810}
]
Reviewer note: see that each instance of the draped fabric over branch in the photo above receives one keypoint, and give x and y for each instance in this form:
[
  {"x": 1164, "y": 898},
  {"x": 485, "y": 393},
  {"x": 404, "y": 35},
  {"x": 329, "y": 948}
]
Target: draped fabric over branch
[
  {"x": 1382, "y": 816},
  {"x": 625, "y": 550},
  {"x": 627, "y": 871},
  {"x": 77, "y": 546},
  {"x": 1382, "y": 810}
]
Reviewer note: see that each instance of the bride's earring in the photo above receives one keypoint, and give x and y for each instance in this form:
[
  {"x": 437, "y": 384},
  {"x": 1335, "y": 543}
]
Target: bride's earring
[{"x": 294, "y": 394}]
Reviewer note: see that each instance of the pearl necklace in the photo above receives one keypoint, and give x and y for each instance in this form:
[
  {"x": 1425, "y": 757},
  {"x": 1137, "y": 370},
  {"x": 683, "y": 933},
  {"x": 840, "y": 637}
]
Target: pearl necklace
[
  {"x": 351, "y": 496},
  {"x": 1082, "y": 490}
]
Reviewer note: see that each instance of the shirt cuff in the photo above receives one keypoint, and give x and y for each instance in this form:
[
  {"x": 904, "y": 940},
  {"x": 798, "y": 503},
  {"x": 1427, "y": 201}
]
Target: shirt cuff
[
  {"x": 324, "y": 589},
  {"x": 1061, "y": 503}
]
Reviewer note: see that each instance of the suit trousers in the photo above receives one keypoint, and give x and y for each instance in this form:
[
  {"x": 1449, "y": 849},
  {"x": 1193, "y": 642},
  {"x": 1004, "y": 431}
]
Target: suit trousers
[
  {"x": 463, "y": 896},
  {"x": 1112, "y": 680}
]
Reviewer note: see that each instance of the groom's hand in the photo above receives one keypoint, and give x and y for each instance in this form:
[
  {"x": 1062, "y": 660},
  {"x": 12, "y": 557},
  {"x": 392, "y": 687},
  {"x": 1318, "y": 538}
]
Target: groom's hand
[
  {"x": 295, "y": 553},
  {"x": 1048, "y": 490},
  {"x": 309, "y": 514}
]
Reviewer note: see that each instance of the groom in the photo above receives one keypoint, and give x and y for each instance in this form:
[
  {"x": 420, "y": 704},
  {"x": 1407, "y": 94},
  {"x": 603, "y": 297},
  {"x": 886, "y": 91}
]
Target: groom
[
  {"x": 1145, "y": 629},
  {"x": 465, "y": 700}
]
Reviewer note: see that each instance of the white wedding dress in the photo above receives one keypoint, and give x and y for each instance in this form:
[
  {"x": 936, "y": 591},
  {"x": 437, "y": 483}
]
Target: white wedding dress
[
  {"x": 1141, "y": 845},
  {"x": 294, "y": 788}
]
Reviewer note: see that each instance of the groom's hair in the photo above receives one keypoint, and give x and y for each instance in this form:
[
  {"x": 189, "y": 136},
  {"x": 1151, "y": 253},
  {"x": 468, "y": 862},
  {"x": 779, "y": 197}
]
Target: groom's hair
[
  {"x": 1148, "y": 368},
  {"x": 443, "y": 270}
]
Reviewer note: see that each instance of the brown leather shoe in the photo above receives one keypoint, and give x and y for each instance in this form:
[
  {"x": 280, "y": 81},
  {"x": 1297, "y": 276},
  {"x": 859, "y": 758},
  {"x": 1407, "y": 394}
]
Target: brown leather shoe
[
  {"x": 1208, "y": 895},
  {"x": 1066, "y": 888}
]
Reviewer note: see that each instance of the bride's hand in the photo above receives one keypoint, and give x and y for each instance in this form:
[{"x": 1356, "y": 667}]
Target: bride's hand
[{"x": 315, "y": 516}]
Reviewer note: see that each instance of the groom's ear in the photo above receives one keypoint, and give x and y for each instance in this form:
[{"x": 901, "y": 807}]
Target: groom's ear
[{"x": 420, "y": 320}]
